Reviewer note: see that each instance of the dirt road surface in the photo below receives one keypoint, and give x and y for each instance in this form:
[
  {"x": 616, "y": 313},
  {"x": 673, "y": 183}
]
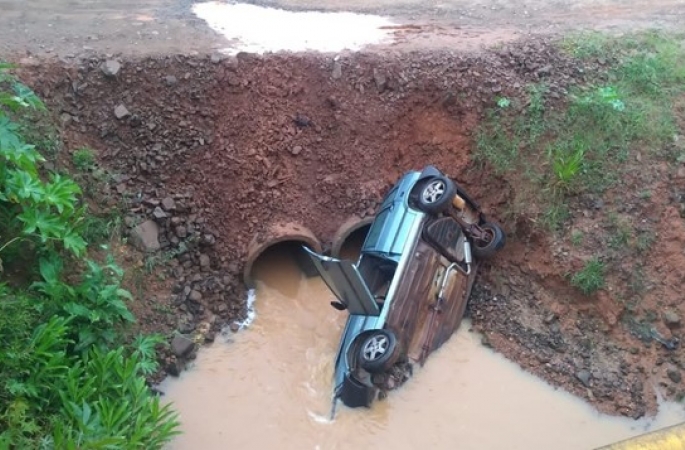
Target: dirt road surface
[{"x": 69, "y": 28}]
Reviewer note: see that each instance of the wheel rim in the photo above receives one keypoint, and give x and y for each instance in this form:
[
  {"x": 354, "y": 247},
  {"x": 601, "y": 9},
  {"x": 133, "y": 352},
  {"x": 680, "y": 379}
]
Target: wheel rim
[
  {"x": 375, "y": 347},
  {"x": 486, "y": 239},
  {"x": 433, "y": 191}
]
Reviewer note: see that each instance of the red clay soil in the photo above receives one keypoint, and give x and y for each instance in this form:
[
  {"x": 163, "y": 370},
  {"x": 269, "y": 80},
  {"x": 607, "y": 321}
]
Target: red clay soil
[{"x": 247, "y": 142}]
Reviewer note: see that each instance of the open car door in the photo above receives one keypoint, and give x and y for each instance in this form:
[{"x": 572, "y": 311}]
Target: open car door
[{"x": 345, "y": 281}]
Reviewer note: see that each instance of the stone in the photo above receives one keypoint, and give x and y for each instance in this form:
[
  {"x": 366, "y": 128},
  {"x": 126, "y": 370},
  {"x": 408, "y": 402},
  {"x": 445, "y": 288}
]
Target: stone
[
  {"x": 234, "y": 327},
  {"x": 380, "y": 79},
  {"x": 181, "y": 232},
  {"x": 204, "y": 261},
  {"x": 216, "y": 58},
  {"x": 174, "y": 368},
  {"x": 121, "y": 112},
  {"x": 337, "y": 70},
  {"x": 195, "y": 296},
  {"x": 681, "y": 172},
  {"x": 168, "y": 204},
  {"x": 110, "y": 68},
  {"x": 146, "y": 236},
  {"x": 674, "y": 375},
  {"x": 182, "y": 345},
  {"x": 296, "y": 150},
  {"x": 159, "y": 213},
  {"x": 584, "y": 377},
  {"x": 671, "y": 319},
  {"x": 170, "y": 80}
]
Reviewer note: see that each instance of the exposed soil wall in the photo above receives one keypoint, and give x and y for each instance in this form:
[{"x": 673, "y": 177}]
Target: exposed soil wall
[{"x": 217, "y": 151}]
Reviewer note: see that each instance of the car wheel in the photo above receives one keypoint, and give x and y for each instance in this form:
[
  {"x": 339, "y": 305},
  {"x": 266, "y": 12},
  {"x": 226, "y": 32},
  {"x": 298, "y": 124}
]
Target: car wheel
[
  {"x": 436, "y": 195},
  {"x": 496, "y": 240},
  {"x": 379, "y": 351}
]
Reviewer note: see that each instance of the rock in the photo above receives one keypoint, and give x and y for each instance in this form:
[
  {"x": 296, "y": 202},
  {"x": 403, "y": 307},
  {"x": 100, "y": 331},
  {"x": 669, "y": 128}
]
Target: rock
[
  {"x": 174, "y": 368},
  {"x": 216, "y": 58},
  {"x": 121, "y": 112},
  {"x": 182, "y": 345},
  {"x": 159, "y": 213},
  {"x": 168, "y": 204},
  {"x": 296, "y": 150},
  {"x": 146, "y": 236},
  {"x": 110, "y": 68},
  {"x": 681, "y": 172},
  {"x": 235, "y": 326},
  {"x": 170, "y": 80},
  {"x": 195, "y": 296},
  {"x": 204, "y": 261},
  {"x": 181, "y": 232},
  {"x": 186, "y": 326},
  {"x": 674, "y": 375},
  {"x": 337, "y": 70},
  {"x": 584, "y": 377},
  {"x": 380, "y": 79},
  {"x": 671, "y": 319},
  {"x": 208, "y": 239},
  {"x": 544, "y": 71},
  {"x": 210, "y": 337}
]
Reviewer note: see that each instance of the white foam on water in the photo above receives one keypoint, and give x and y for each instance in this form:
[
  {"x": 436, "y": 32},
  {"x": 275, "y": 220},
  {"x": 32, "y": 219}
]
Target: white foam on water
[
  {"x": 251, "y": 312},
  {"x": 260, "y": 30}
]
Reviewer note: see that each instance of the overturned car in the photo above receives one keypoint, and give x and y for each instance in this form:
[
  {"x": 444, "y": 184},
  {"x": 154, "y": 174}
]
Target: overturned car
[{"x": 407, "y": 293}]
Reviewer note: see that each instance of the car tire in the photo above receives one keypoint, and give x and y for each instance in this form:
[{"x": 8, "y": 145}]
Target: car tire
[
  {"x": 378, "y": 351},
  {"x": 486, "y": 250},
  {"x": 436, "y": 195}
]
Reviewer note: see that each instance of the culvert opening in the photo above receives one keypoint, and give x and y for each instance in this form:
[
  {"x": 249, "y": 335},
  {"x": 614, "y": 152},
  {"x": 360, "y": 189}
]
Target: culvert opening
[
  {"x": 351, "y": 246},
  {"x": 288, "y": 238},
  {"x": 281, "y": 266}
]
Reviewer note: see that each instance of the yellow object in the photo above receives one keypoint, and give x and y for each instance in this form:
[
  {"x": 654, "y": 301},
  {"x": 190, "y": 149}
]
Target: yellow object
[
  {"x": 671, "y": 438},
  {"x": 458, "y": 202}
]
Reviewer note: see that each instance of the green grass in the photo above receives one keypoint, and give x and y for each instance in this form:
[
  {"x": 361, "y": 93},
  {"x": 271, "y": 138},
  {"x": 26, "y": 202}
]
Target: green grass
[
  {"x": 583, "y": 147},
  {"x": 577, "y": 238},
  {"x": 590, "y": 278},
  {"x": 83, "y": 159}
]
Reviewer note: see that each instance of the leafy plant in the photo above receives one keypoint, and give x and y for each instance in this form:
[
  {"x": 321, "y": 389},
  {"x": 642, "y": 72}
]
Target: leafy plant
[
  {"x": 503, "y": 102},
  {"x": 67, "y": 380},
  {"x": 46, "y": 210},
  {"x": 590, "y": 278},
  {"x": 95, "y": 306},
  {"x": 567, "y": 163},
  {"x": 83, "y": 159}
]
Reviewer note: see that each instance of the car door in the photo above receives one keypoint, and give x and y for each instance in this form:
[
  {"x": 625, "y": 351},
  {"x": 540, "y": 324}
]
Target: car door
[{"x": 345, "y": 281}]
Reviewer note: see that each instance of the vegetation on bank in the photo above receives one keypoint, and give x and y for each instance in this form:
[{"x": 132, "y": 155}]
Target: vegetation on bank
[
  {"x": 581, "y": 146},
  {"x": 565, "y": 153},
  {"x": 68, "y": 379}
]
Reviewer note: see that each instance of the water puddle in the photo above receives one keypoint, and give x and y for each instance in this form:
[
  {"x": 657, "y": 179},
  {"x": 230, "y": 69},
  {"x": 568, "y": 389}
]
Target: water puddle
[
  {"x": 269, "y": 386},
  {"x": 258, "y": 29}
]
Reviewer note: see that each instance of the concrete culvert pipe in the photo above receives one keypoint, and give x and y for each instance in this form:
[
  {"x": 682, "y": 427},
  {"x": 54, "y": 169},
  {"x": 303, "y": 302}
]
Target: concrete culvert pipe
[
  {"x": 350, "y": 229},
  {"x": 277, "y": 234}
]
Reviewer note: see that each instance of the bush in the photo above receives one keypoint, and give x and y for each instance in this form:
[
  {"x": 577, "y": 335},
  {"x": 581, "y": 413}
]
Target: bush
[{"x": 67, "y": 379}]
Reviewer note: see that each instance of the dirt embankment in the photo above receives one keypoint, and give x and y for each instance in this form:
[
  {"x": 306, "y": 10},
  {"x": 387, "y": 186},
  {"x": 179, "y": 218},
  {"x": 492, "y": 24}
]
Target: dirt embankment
[{"x": 215, "y": 151}]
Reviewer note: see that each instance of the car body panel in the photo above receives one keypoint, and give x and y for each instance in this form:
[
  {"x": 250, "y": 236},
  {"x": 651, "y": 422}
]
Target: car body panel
[
  {"x": 426, "y": 322},
  {"x": 389, "y": 232},
  {"x": 343, "y": 278}
]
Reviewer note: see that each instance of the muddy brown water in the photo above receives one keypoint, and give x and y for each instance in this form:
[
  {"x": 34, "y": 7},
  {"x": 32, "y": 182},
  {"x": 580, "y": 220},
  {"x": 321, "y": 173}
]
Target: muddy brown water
[{"x": 269, "y": 386}]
